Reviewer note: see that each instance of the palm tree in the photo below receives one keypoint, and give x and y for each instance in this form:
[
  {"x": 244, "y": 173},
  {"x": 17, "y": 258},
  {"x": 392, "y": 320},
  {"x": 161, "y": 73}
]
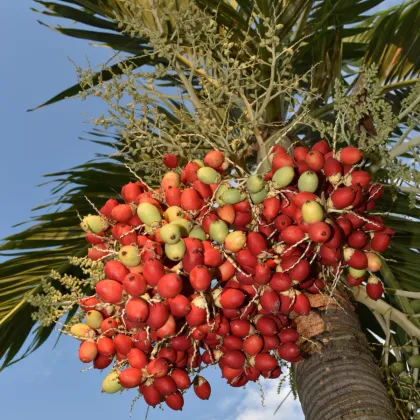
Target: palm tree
[{"x": 329, "y": 40}]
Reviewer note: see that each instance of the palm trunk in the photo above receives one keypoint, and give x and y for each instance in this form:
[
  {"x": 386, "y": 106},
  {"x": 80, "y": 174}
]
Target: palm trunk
[{"x": 342, "y": 381}]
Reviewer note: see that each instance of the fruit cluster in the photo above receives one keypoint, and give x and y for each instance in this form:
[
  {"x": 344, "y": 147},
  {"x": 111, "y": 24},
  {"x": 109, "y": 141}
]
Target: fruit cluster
[{"x": 213, "y": 269}]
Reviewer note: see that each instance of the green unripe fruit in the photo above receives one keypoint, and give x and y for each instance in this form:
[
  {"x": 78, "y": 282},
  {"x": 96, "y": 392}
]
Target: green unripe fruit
[
  {"x": 283, "y": 176},
  {"x": 308, "y": 181},
  {"x": 259, "y": 197},
  {"x": 255, "y": 183},
  {"x": 198, "y": 233},
  {"x": 415, "y": 304},
  {"x": 170, "y": 233},
  {"x": 199, "y": 162},
  {"x": 312, "y": 212},
  {"x": 218, "y": 231},
  {"x": 220, "y": 190},
  {"x": 81, "y": 330},
  {"x": 111, "y": 384},
  {"x": 414, "y": 361},
  {"x": 184, "y": 225},
  {"x": 208, "y": 175},
  {"x": 94, "y": 319},
  {"x": 175, "y": 252},
  {"x": 129, "y": 255},
  {"x": 149, "y": 214},
  {"x": 235, "y": 241},
  {"x": 172, "y": 213},
  {"x": 94, "y": 224},
  {"x": 232, "y": 196},
  {"x": 356, "y": 273},
  {"x": 397, "y": 367}
]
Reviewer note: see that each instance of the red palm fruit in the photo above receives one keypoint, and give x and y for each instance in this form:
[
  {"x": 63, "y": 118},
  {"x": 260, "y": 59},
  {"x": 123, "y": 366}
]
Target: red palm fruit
[
  {"x": 319, "y": 232},
  {"x": 247, "y": 260},
  {"x": 256, "y": 243},
  {"x": 369, "y": 205},
  {"x": 198, "y": 313},
  {"x": 227, "y": 213},
  {"x": 89, "y": 303},
  {"x": 102, "y": 362},
  {"x": 357, "y": 239},
  {"x": 380, "y": 242},
  {"x": 106, "y": 209},
  {"x": 271, "y": 207},
  {"x": 252, "y": 373},
  {"x": 123, "y": 344},
  {"x": 352, "y": 281},
  {"x": 333, "y": 170},
  {"x": 88, "y": 351},
  {"x": 282, "y": 221},
  {"x": 240, "y": 327},
  {"x": 342, "y": 198},
  {"x": 168, "y": 353},
  {"x": 109, "y": 291},
  {"x": 225, "y": 271},
  {"x": 361, "y": 178},
  {"x": 376, "y": 223},
  {"x": 97, "y": 252},
  {"x": 291, "y": 235},
  {"x": 189, "y": 174},
  {"x": 153, "y": 271},
  {"x": 190, "y": 200},
  {"x": 300, "y": 153},
  {"x": 230, "y": 313},
  {"x": 268, "y": 176},
  {"x": 315, "y": 160},
  {"x": 350, "y": 155},
  {"x": 271, "y": 342},
  {"x": 208, "y": 220},
  {"x": 181, "y": 378},
  {"x": 192, "y": 259},
  {"x": 374, "y": 288},
  {"x": 142, "y": 240},
  {"x": 202, "y": 388},
  {"x": 142, "y": 341},
  {"x": 200, "y": 278},
  {"x": 137, "y": 358},
  {"x": 151, "y": 395},
  {"x": 130, "y": 377},
  {"x": 158, "y": 368},
  {"x": 278, "y": 149},
  {"x": 170, "y": 160},
  {"x": 158, "y": 315},
  {"x": 317, "y": 287},
  {"x": 322, "y": 146},
  {"x": 134, "y": 284},
  {"x": 270, "y": 301},
  {"x": 355, "y": 258},
  {"x": 345, "y": 225},
  {"x": 151, "y": 250},
  {"x": 288, "y": 207},
  {"x": 181, "y": 343},
  {"x": 253, "y": 344},
  {"x": 173, "y": 196},
  {"x": 212, "y": 257},
  {"x": 208, "y": 357},
  {"x": 262, "y": 273},
  {"x": 106, "y": 346},
  {"x": 180, "y": 306},
  {"x": 137, "y": 310},
  {"x": 289, "y": 352},
  {"x": 168, "y": 329},
  {"x": 193, "y": 244},
  {"x": 266, "y": 229},
  {"x": 374, "y": 262},
  {"x": 356, "y": 221},
  {"x": 302, "y": 306},
  {"x": 126, "y": 235},
  {"x": 235, "y": 359},
  {"x": 242, "y": 218},
  {"x": 242, "y": 206},
  {"x": 193, "y": 360},
  {"x": 280, "y": 160},
  {"x": 95, "y": 238},
  {"x": 203, "y": 189},
  {"x": 147, "y": 198},
  {"x": 330, "y": 256},
  {"x": 214, "y": 159},
  {"x": 280, "y": 282},
  {"x": 266, "y": 325},
  {"x": 376, "y": 191},
  {"x": 358, "y": 198},
  {"x": 296, "y": 270},
  {"x": 231, "y": 298},
  {"x": 272, "y": 374},
  {"x": 336, "y": 239},
  {"x": 109, "y": 326},
  {"x": 302, "y": 197},
  {"x": 302, "y": 167},
  {"x": 229, "y": 373},
  {"x": 265, "y": 361},
  {"x": 165, "y": 385},
  {"x": 288, "y": 335},
  {"x": 232, "y": 342},
  {"x": 122, "y": 213},
  {"x": 175, "y": 401},
  {"x": 222, "y": 325}
]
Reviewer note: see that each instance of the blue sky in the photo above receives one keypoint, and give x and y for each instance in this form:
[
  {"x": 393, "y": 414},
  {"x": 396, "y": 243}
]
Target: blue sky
[{"x": 48, "y": 384}]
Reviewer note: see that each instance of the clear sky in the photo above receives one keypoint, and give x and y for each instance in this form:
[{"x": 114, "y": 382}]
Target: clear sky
[{"x": 48, "y": 385}]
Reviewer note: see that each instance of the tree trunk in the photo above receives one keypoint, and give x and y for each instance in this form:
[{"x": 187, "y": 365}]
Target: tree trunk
[{"x": 342, "y": 380}]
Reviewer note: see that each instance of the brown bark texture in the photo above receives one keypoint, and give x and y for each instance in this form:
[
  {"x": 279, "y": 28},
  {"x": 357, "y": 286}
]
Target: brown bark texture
[{"x": 340, "y": 379}]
